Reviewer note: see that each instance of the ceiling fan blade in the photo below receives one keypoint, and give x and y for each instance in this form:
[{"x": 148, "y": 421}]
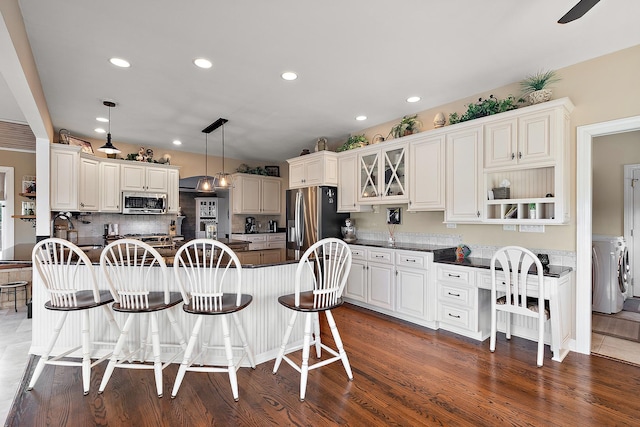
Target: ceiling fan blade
[{"x": 578, "y": 10}]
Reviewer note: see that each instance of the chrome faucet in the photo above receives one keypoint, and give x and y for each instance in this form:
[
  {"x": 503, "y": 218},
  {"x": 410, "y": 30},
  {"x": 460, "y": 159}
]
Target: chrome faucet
[{"x": 63, "y": 215}]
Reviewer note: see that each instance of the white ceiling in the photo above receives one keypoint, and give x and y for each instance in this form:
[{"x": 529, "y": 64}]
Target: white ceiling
[{"x": 353, "y": 57}]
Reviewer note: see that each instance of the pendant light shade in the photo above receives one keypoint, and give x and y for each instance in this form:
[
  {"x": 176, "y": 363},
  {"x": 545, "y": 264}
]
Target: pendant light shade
[
  {"x": 206, "y": 184},
  {"x": 109, "y": 148},
  {"x": 222, "y": 180}
]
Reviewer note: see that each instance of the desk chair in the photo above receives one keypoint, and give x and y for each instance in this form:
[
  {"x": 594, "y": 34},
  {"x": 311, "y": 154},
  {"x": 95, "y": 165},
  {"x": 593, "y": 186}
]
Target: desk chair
[{"x": 516, "y": 263}]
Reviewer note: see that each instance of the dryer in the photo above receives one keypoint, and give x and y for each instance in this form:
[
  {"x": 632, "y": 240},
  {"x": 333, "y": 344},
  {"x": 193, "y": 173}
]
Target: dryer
[{"x": 610, "y": 273}]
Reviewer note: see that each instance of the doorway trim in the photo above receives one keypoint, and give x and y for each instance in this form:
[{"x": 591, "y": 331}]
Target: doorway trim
[
  {"x": 629, "y": 210},
  {"x": 8, "y": 236},
  {"x": 584, "y": 185}
]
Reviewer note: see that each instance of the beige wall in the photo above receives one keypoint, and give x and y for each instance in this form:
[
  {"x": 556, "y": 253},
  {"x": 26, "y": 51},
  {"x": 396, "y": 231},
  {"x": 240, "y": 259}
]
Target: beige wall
[
  {"x": 610, "y": 154},
  {"x": 24, "y": 233},
  {"x": 601, "y": 89}
]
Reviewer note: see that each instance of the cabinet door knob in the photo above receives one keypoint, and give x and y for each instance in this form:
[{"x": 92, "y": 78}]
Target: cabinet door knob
[
  {"x": 513, "y": 156},
  {"x": 519, "y": 154},
  {"x": 478, "y": 214}
]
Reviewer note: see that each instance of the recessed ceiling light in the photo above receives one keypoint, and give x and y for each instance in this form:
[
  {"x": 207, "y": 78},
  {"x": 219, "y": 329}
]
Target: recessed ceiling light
[
  {"x": 177, "y": 142},
  {"x": 102, "y": 119},
  {"x": 289, "y": 75},
  {"x": 413, "y": 99},
  {"x": 202, "y": 63},
  {"x": 119, "y": 62},
  {"x": 100, "y": 130},
  {"x": 361, "y": 118}
]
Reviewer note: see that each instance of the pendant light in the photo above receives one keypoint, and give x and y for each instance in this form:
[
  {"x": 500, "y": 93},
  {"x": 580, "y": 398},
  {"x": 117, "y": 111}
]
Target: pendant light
[
  {"x": 206, "y": 183},
  {"x": 109, "y": 148},
  {"x": 223, "y": 179}
]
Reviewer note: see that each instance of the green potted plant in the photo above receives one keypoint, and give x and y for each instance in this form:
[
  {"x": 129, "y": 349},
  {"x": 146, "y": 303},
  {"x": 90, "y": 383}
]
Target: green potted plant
[
  {"x": 354, "y": 141},
  {"x": 407, "y": 126},
  {"x": 537, "y": 87},
  {"x": 485, "y": 107}
]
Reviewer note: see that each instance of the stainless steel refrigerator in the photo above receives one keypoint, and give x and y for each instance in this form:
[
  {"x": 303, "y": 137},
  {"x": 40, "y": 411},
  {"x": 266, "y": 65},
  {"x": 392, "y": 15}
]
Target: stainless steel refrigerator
[{"x": 311, "y": 216}]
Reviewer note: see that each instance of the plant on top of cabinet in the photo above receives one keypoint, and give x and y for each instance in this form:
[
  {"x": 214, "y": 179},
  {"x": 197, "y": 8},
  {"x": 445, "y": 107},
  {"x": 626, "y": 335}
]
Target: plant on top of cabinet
[
  {"x": 407, "y": 126},
  {"x": 536, "y": 86},
  {"x": 354, "y": 141},
  {"x": 486, "y": 107}
]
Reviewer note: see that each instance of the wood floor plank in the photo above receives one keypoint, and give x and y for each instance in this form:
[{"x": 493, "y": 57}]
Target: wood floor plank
[{"x": 403, "y": 375}]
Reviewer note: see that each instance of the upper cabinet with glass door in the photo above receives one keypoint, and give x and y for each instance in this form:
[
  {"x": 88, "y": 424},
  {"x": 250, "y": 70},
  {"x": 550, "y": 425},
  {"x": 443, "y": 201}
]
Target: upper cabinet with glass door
[{"x": 383, "y": 173}]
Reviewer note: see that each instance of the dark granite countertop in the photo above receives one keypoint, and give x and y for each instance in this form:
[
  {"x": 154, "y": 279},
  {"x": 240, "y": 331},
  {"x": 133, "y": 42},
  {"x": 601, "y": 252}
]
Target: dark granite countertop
[
  {"x": 439, "y": 251},
  {"x": 549, "y": 271}
]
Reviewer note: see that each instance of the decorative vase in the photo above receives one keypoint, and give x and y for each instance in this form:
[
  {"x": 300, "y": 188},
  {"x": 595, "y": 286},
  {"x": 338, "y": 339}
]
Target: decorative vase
[
  {"x": 439, "y": 120},
  {"x": 542, "y": 95}
]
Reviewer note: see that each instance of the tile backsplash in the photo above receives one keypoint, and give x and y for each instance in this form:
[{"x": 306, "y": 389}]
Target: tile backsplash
[{"x": 92, "y": 225}]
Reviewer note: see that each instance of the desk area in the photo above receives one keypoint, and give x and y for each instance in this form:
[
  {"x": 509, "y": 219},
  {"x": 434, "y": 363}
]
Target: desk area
[{"x": 464, "y": 288}]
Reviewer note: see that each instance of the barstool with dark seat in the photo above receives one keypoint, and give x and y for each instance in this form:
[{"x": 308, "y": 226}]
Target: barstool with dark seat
[
  {"x": 324, "y": 268},
  {"x": 14, "y": 286},
  {"x": 68, "y": 275},
  {"x": 132, "y": 269}
]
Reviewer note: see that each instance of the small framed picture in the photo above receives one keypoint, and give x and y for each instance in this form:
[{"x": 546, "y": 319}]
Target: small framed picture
[
  {"x": 394, "y": 216},
  {"x": 86, "y": 145},
  {"x": 272, "y": 170}
]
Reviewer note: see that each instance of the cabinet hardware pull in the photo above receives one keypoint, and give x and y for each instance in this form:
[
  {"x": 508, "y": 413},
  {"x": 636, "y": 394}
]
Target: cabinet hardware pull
[
  {"x": 453, "y": 275},
  {"x": 513, "y": 156},
  {"x": 519, "y": 154},
  {"x": 410, "y": 260},
  {"x": 453, "y": 295},
  {"x": 451, "y": 315},
  {"x": 478, "y": 214}
]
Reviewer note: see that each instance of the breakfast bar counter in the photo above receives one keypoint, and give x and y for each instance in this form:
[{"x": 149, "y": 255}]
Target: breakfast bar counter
[{"x": 264, "y": 320}]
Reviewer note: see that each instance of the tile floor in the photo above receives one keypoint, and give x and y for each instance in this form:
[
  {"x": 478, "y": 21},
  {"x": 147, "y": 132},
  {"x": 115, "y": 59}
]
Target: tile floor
[{"x": 15, "y": 340}]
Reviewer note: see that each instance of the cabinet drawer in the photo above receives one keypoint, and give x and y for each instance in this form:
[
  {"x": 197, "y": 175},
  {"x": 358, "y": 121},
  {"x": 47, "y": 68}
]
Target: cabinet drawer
[
  {"x": 411, "y": 259},
  {"x": 455, "y": 295},
  {"x": 256, "y": 238},
  {"x": 277, "y": 237},
  {"x": 454, "y": 316},
  {"x": 462, "y": 276},
  {"x": 382, "y": 256},
  {"x": 358, "y": 253},
  {"x": 275, "y": 245},
  {"x": 257, "y": 246}
]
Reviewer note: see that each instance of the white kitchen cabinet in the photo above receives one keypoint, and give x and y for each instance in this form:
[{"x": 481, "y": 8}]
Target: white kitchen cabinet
[
  {"x": 394, "y": 282},
  {"x": 382, "y": 177},
  {"x": 414, "y": 296},
  {"x": 463, "y": 202},
  {"x": 258, "y": 241},
  {"x": 538, "y": 140},
  {"x": 89, "y": 185},
  {"x": 521, "y": 140},
  {"x": 319, "y": 168},
  {"x": 110, "y": 196},
  {"x": 173, "y": 194},
  {"x": 380, "y": 278},
  {"x": 256, "y": 194},
  {"x": 427, "y": 173},
  {"x": 65, "y": 171},
  {"x": 143, "y": 178},
  {"x": 461, "y": 307},
  {"x": 348, "y": 184}
]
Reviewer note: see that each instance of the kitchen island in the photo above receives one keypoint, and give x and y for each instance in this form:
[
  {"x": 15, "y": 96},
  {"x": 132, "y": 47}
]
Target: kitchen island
[{"x": 264, "y": 320}]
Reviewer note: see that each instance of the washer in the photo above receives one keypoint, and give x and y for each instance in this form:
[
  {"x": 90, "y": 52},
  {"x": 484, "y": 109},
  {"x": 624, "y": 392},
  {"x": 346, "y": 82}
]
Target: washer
[{"x": 610, "y": 273}]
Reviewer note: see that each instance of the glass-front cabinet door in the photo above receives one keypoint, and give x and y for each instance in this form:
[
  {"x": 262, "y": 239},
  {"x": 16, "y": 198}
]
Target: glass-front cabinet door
[
  {"x": 369, "y": 176},
  {"x": 383, "y": 175}
]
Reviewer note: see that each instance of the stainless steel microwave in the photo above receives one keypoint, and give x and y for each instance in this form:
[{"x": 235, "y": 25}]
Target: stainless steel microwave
[{"x": 144, "y": 203}]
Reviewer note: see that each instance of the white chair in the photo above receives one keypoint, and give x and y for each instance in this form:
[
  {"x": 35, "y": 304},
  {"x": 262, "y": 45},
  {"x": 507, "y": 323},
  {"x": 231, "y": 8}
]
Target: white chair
[
  {"x": 68, "y": 275},
  {"x": 204, "y": 269},
  {"x": 516, "y": 264},
  {"x": 134, "y": 270},
  {"x": 324, "y": 269}
]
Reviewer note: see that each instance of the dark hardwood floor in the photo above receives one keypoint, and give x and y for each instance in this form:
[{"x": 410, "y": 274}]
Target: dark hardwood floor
[{"x": 403, "y": 375}]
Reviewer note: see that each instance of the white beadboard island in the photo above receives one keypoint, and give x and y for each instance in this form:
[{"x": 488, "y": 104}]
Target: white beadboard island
[{"x": 264, "y": 321}]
